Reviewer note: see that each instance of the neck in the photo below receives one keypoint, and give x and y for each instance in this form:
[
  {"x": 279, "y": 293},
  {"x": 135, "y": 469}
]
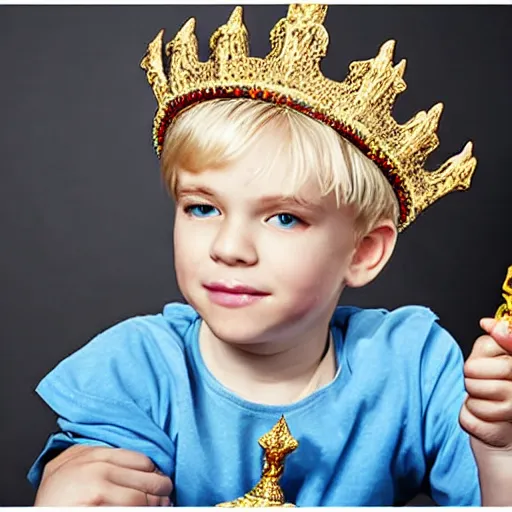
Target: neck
[{"x": 272, "y": 373}]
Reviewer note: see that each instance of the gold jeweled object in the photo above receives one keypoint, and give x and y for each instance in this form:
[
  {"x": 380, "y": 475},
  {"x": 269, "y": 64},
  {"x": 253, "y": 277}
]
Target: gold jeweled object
[
  {"x": 359, "y": 108},
  {"x": 277, "y": 443},
  {"x": 505, "y": 310}
]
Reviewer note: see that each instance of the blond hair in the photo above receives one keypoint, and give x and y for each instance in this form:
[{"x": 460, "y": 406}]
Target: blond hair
[{"x": 314, "y": 150}]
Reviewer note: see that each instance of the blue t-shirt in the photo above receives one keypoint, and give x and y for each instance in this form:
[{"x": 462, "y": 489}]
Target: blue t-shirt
[{"x": 383, "y": 430}]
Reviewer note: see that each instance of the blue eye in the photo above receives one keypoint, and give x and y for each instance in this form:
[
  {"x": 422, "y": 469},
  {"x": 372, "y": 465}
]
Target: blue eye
[
  {"x": 286, "y": 220},
  {"x": 201, "y": 210}
]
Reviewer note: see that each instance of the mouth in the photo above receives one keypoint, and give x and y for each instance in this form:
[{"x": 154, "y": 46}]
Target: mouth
[
  {"x": 239, "y": 289},
  {"x": 234, "y": 296}
]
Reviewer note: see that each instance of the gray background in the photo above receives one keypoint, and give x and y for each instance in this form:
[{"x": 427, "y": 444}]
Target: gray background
[{"x": 86, "y": 224}]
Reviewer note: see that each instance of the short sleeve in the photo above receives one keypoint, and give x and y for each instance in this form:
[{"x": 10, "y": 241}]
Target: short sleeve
[
  {"x": 112, "y": 392},
  {"x": 453, "y": 470}
]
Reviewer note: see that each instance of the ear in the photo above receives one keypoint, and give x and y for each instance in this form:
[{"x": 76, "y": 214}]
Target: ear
[{"x": 371, "y": 254}]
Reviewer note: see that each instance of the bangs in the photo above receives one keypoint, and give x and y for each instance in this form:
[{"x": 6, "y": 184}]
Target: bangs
[{"x": 215, "y": 133}]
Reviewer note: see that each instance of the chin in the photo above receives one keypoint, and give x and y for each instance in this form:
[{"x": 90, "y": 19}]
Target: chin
[
  {"x": 237, "y": 334},
  {"x": 241, "y": 325}
]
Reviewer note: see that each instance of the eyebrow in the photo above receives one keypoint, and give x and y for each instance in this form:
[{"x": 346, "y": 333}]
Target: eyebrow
[
  {"x": 193, "y": 189},
  {"x": 266, "y": 200}
]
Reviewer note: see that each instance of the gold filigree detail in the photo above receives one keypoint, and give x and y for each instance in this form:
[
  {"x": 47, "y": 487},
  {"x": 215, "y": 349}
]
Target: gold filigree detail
[
  {"x": 277, "y": 443},
  {"x": 359, "y": 108}
]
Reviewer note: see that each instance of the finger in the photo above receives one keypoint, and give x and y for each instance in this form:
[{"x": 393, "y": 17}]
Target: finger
[
  {"x": 156, "y": 501},
  {"x": 486, "y": 346},
  {"x": 500, "y": 330},
  {"x": 496, "y": 434},
  {"x": 151, "y": 483},
  {"x": 112, "y": 495},
  {"x": 165, "y": 501},
  {"x": 489, "y": 389},
  {"x": 488, "y": 410},
  {"x": 486, "y": 368},
  {"x": 487, "y": 324},
  {"x": 124, "y": 458},
  {"x": 115, "y": 495}
]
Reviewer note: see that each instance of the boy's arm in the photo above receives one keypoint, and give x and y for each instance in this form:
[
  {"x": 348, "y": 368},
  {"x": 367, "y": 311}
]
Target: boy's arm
[
  {"x": 450, "y": 462},
  {"x": 97, "y": 476},
  {"x": 487, "y": 412},
  {"x": 111, "y": 394}
]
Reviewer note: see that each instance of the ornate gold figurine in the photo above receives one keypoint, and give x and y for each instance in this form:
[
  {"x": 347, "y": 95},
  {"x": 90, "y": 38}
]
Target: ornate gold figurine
[
  {"x": 505, "y": 310},
  {"x": 277, "y": 443},
  {"x": 359, "y": 108}
]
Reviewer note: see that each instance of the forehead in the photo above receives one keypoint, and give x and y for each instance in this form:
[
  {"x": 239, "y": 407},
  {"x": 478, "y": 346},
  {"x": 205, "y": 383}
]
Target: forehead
[
  {"x": 249, "y": 183},
  {"x": 263, "y": 168}
]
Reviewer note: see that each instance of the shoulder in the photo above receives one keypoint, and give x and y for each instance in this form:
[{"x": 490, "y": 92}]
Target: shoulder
[
  {"x": 127, "y": 360},
  {"x": 142, "y": 335},
  {"x": 370, "y": 322},
  {"x": 410, "y": 335},
  {"x": 383, "y": 326}
]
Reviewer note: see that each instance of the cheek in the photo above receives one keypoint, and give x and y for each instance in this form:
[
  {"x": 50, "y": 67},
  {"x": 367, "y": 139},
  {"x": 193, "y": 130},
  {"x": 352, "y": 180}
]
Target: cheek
[
  {"x": 189, "y": 249},
  {"x": 311, "y": 271}
]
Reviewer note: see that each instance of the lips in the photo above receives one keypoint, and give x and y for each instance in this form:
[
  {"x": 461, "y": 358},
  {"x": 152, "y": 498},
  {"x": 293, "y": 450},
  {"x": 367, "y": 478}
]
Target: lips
[
  {"x": 234, "y": 289},
  {"x": 234, "y": 295}
]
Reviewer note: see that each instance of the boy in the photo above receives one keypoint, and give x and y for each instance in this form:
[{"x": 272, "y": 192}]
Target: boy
[{"x": 288, "y": 188}]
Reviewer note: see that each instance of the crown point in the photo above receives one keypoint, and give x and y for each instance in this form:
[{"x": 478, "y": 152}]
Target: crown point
[
  {"x": 152, "y": 64},
  {"x": 387, "y": 49},
  {"x": 189, "y": 26},
  {"x": 400, "y": 67},
  {"x": 157, "y": 41},
  {"x": 436, "y": 110},
  {"x": 236, "y": 16},
  {"x": 468, "y": 150},
  {"x": 154, "y": 47},
  {"x": 185, "y": 32}
]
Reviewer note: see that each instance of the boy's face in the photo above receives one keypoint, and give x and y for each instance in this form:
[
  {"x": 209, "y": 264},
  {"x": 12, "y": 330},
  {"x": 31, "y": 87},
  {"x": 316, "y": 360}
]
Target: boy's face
[{"x": 234, "y": 228}]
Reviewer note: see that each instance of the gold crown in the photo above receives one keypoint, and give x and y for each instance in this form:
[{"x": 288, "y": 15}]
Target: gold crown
[{"x": 359, "y": 108}]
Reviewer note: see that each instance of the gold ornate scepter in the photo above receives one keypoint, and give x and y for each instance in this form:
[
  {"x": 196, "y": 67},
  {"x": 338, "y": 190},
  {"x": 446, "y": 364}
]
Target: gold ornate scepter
[
  {"x": 505, "y": 310},
  {"x": 277, "y": 443}
]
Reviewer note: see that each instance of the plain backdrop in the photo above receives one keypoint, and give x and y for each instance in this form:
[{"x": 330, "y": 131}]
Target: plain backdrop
[{"x": 85, "y": 223}]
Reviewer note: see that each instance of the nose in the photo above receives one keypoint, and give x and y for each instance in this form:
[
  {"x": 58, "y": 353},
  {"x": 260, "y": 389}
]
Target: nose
[{"x": 234, "y": 245}]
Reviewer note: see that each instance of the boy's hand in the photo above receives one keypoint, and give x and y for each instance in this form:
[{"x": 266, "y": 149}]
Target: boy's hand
[
  {"x": 96, "y": 476},
  {"x": 487, "y": 413}
]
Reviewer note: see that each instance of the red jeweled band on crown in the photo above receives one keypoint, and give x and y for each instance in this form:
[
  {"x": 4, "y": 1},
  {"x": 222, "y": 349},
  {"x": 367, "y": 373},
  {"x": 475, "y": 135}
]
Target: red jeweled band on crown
[{"x": 383, "y": 162}]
